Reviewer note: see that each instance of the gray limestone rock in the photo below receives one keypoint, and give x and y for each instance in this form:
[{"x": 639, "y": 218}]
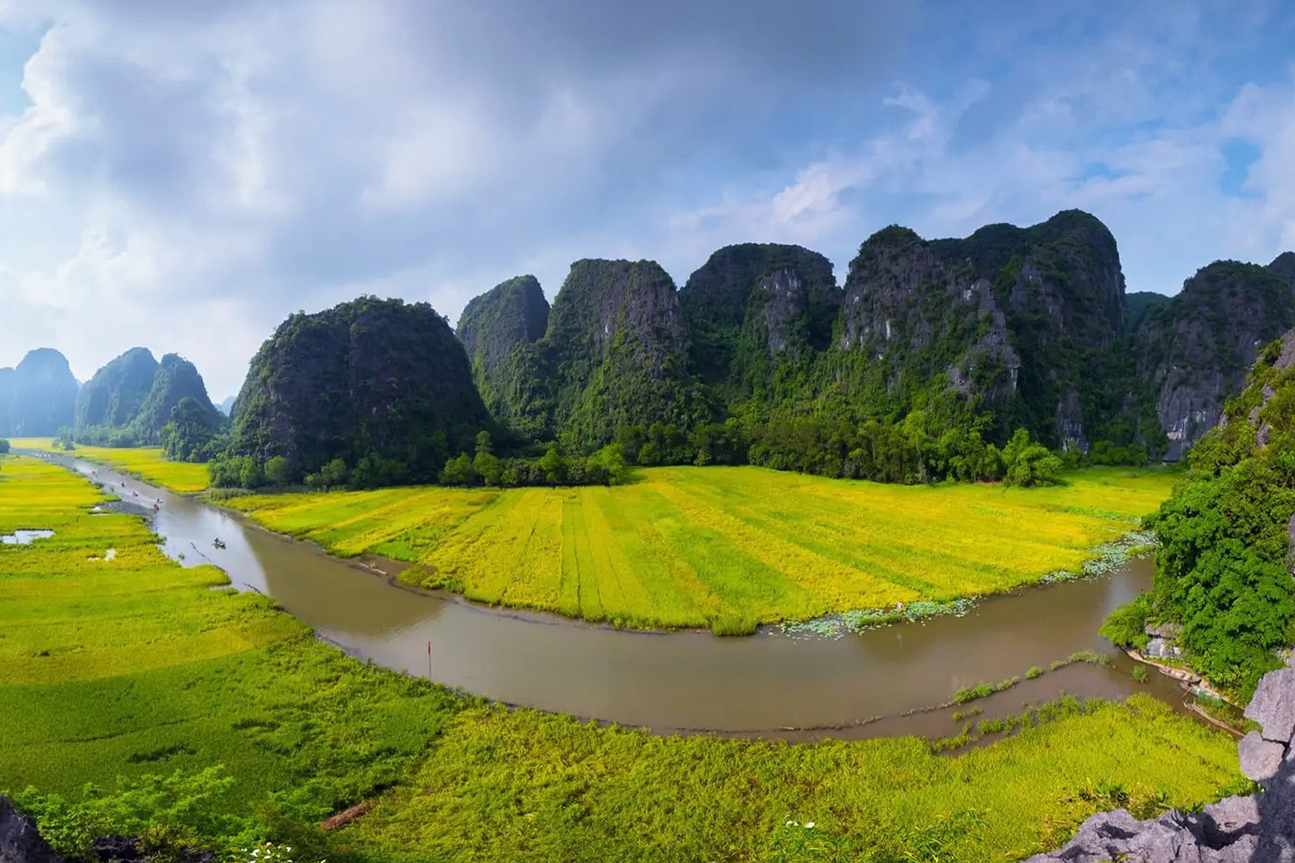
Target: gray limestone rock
[
  {"x": 1258, "y": 829},
  {"x": 1260, "y": 758},
  {"x": 1273, "y": 705},
  {"x": 19, "y": 840}
]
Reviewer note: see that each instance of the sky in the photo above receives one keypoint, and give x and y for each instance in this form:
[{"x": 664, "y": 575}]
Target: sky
[{"x": 183, "y": 176}]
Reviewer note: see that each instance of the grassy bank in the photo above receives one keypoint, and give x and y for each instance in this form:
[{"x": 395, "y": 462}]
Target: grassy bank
[
  {"x": 134, "y": 666},
  {"x": 727, "y": 548},
  {"x": 147, "y": 463}
]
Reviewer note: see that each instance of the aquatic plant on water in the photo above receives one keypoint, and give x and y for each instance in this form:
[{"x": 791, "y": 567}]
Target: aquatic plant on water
[{"x": 837, "y": 625}]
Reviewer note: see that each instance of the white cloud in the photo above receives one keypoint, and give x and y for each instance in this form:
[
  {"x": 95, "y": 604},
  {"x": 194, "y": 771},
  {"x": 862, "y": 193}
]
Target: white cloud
[{"x": 190, "y": 173}]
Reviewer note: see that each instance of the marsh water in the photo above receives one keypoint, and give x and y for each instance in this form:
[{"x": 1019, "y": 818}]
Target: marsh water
[{"x": 768, "y": 684}]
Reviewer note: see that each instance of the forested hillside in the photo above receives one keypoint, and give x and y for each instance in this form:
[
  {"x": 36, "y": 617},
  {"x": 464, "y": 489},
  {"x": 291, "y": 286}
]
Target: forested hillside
[
  {"x": 380, "y": 386},
  {"x": 931, "y": 353},
  {"x": 1223, "y": 568}
]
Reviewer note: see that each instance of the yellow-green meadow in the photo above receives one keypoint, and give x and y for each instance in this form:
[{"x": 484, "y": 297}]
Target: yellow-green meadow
[
  {"x": 120, "y": 668},
  {"x": 148, "y": 463},
  {"x": 724, "y": 547}
]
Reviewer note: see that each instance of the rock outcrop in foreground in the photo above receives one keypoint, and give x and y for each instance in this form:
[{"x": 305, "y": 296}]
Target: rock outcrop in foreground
[
  {"x": 1259, "y": 829},
  {"x": 19, "y": 840}
]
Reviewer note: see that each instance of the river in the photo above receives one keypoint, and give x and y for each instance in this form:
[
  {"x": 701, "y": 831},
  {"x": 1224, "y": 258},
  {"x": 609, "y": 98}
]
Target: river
[{"x": 767, "y": 684}]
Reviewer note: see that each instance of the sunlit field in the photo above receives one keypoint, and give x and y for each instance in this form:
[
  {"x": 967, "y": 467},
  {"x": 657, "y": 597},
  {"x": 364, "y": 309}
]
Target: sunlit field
[
  {"x": 148, "y": 463},
  {"x": 724, "y": 547},
  {"x": 133, "y": 666}
]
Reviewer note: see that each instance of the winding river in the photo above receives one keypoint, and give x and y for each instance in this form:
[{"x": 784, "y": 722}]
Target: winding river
[{"x": 766, "y": 685}]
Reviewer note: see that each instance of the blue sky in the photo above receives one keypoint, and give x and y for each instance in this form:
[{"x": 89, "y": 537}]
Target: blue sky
[{"x": 184, "y": 175}]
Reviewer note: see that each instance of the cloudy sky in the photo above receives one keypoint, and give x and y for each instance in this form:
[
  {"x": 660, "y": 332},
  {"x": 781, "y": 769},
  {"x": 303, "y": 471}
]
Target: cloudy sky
[{"x": 183, "y": 175}]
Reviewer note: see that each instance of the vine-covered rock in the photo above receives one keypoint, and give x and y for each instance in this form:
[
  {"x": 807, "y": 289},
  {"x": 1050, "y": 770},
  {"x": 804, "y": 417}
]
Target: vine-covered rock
[
  {"x": 112, "y": 398},
  {"x": 371, "y": 378}
]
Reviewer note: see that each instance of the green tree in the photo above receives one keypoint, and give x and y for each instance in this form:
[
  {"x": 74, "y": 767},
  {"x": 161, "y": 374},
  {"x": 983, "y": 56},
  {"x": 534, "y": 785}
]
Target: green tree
[
  {"x": 486, "y": 464},
  {"x": 4, "y": 446},
  {"x": 459, "y": 471},
  {"x": 553, "y": 466},
  {"x": 334, "y": 474},
  {"x": 611, "y": 458},
  {"x": 276, "y": 471},
  {"x": 1034, "y": 465}
]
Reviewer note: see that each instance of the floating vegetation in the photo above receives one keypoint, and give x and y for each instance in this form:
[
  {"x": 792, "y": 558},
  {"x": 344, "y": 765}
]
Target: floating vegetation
[
  {"x": 1110, "y": 556},
  {"x": 838, "y": 625},
  {"x": 983, "y": 690}
]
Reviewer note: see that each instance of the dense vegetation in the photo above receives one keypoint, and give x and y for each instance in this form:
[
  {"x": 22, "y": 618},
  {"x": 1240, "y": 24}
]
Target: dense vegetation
[
  {"x": 136, "y": 401},
  {"x": 498, "y": 330},
  {"x": 379, "y": 385},
  {"x": 110, "y": 401},
  {"x": 211, "y": 717},
  {"x": 1223, "y": 566},
  {"x": 1193, "y": 352},
  {"x": 757, "y": 314},
  {"x": 726, "y": 548},
  {"x": 932, "y": 352}
]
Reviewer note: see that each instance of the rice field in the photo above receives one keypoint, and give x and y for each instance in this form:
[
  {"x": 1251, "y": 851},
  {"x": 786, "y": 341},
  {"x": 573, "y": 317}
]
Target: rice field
[
  {"x": 147, "y": 463},
  {"x": 131, "y": 667},
  {"x": 723, "y": 547}
]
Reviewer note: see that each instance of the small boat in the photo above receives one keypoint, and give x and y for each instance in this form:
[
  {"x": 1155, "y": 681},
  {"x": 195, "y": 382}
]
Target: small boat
[{"x": 218, "y": 544}]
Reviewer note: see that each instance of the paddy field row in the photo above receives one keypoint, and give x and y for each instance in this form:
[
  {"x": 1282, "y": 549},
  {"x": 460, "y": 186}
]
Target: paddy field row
[{"x": 724, "y": 547}]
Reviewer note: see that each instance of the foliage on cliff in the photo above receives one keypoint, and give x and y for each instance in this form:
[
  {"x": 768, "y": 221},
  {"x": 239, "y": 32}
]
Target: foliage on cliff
[
  {"x": 380, "y": 384},
  {"x": 112, "y": 398},
  {"x": 758, "y": 315},
  {"x": 498, "y": 330},
  {"x": 133, "y": 399},
  {"x": 1223, "y": 569},
  {"x": 176, "y": 380},
  {"x": 1193, "y": 352}
]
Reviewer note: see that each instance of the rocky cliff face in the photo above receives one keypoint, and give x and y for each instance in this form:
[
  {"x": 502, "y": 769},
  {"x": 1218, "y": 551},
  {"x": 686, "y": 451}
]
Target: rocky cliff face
[
  {"x": 499, "y": 330},
  {"x": 176, "y": 379},
  {"x": 20, "y": 842},
  {"x": 617, "y": 352},
  {"x": 1193, "y": 352},
  {"x": 754, "y": 307},
  {"x": 1011, "y": 319},
  {"x": 43, "y": 395},
  {"x": 1283, "y": 266},
  {"x": 112, "y": 397},
  {"x": 1258, "y": 829},
  {"x": 368, "y": 377}
]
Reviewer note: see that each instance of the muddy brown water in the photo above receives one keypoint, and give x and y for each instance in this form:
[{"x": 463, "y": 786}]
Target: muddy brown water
[{"x": 766, "y": 685}]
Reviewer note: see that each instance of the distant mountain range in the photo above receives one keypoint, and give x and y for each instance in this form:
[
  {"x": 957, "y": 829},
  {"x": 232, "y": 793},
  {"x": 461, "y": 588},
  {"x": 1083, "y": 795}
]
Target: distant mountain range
[
  {"x": 1008, "y": 328},
  {"x": 1016, "y": 326}
]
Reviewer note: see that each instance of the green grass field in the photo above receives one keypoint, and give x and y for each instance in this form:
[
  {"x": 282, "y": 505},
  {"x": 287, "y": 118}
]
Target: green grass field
[
  {"x": 134, "y": 666},
  {"x": 724, "y": 547},
  {"x": 147, "y": 463}
]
